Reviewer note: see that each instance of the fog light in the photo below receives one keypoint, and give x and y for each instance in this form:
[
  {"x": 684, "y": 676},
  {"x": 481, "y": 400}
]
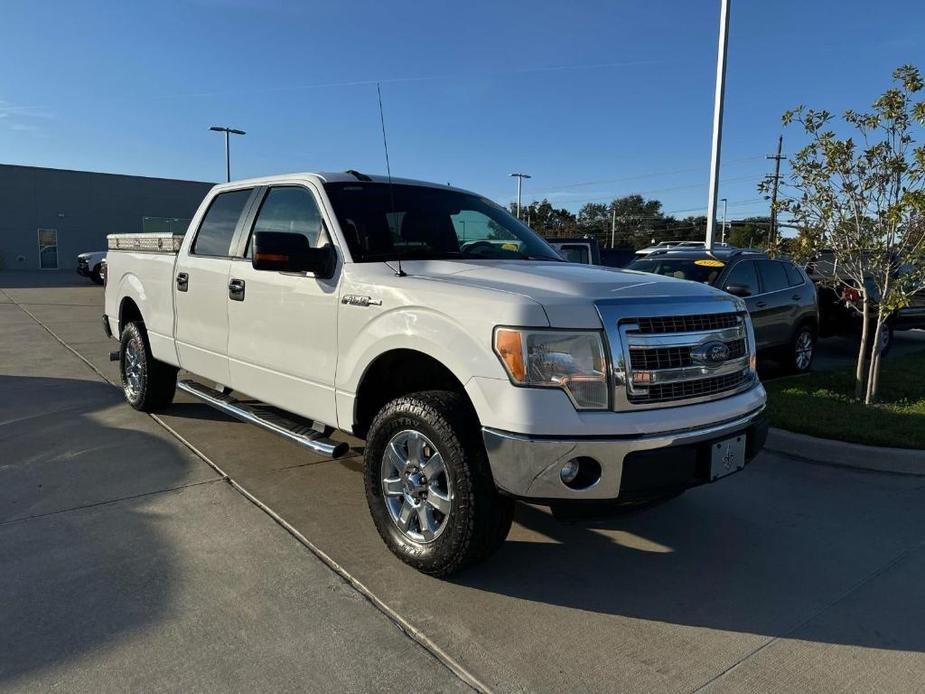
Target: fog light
[
  {"x": 569, "y": 472},
  {"x": 580, "y": 473}
]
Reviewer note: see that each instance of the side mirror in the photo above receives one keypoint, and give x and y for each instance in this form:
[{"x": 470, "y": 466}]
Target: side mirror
[
  {"x": 284, "y": 252},
  {"x": 738, "y": 290}
]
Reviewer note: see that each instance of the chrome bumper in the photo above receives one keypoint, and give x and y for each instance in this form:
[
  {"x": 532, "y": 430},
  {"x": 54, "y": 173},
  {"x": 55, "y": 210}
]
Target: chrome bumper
[{"x": 528, "y": 467}]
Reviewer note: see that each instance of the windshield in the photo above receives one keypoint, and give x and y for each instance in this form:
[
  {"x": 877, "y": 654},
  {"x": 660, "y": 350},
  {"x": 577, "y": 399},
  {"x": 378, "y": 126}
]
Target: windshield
[
  {"x": 705, "y": 270},
  {"x": 424, "y": 223}
]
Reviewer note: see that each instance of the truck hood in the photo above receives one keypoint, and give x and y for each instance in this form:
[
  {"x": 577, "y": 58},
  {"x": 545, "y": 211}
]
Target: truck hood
[{"x": 567, "y": 291}]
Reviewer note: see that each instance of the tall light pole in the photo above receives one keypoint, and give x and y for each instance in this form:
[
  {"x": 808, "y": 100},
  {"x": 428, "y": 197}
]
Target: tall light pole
[
  {"x": 227, "y": 131},
  {"x": 717, "y": 119},
  {"x": 520, "y": 185},
  {"x": 724, "y": 201}
]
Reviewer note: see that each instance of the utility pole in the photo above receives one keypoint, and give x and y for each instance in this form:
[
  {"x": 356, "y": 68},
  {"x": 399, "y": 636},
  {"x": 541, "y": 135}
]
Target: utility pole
[
  {"x": 724, "y": 201},
  {"x": 227, "y": 131},
  {"x": 613, "y": 227},
  {"x": 520, "y": 185},
  {"x": 772, "y": 232},
  {"x": 717, "y": 120}
]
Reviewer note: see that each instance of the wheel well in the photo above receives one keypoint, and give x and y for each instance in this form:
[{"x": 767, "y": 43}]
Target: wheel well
[
  {"x": 398, "y": 373},
  {"x": 128, "y": 312}
]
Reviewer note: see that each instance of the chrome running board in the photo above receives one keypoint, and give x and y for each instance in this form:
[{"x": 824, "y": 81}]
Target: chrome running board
[{"x": 288, "y": 426}]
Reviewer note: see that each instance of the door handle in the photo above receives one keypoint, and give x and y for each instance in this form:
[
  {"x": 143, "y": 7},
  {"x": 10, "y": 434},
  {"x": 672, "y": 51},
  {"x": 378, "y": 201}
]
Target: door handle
[
  {"x": 761, "y": 304},
  {"x": 182, "y": 281},
  {"x": 236, "y": 290}
]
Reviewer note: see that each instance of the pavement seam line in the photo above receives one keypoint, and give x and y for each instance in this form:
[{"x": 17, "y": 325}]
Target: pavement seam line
[
  {"x": 902, "y": 556},
  {"x": 400, "y": 622},
  {"x": 130, "y": 497}
]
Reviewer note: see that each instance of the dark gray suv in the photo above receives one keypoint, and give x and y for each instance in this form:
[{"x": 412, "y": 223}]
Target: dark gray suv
[{"x": 781, "y": 298}]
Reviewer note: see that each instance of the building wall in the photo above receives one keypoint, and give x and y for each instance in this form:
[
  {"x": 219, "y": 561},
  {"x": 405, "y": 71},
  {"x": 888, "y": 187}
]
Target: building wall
[{"x": 83, "y": 207}]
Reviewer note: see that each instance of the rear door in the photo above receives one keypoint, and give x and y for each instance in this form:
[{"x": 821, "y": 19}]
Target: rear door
[
  {"x": 282, "y": 343},
  {"x": 745, "y": 274},
  {"x": 776, "y": 297},
  {"x": 201, "y": 288}
]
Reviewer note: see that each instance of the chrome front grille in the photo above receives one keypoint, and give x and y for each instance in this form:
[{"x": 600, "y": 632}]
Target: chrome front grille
[{"x": 664, "y": 355}]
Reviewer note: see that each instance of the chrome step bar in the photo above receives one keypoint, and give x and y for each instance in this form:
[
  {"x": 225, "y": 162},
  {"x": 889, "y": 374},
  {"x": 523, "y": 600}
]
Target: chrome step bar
[{"x": 297, "y": 431}]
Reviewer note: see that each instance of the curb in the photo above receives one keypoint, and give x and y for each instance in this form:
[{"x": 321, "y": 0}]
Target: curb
[{"x": 903, "y": 461}]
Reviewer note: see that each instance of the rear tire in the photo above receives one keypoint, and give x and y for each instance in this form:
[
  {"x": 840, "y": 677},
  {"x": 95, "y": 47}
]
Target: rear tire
[
  {"x": 149, "y": 385},
  {"x": 429, "y": 486}
]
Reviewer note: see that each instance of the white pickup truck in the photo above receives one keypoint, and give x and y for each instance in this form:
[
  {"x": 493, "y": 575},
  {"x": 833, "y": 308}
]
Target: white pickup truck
[{"x": 478, "y": 366}]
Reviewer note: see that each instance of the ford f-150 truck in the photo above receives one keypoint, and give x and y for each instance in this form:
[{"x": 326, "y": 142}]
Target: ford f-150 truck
[{"x": 477, "y": 372}]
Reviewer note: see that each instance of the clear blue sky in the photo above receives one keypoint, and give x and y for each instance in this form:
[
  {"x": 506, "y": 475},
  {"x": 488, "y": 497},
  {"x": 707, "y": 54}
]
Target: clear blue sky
[{"x": 616, "y": 95}]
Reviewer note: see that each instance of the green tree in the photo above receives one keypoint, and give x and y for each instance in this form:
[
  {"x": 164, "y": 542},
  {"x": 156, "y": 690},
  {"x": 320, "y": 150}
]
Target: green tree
[{"x": 863, "y": 199}]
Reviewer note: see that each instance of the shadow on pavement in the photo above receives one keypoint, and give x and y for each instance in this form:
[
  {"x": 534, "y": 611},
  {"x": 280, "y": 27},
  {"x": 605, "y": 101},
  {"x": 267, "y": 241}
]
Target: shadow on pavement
[
  {"x": 696, "y": 564},
  {"x": 76, "y": 581}
]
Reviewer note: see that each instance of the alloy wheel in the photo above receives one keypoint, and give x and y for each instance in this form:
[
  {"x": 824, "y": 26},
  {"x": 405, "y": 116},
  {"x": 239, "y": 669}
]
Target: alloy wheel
[
  {"x": 131, "y": 367},
  {"x": 803, "y": 355},
  {"x": 417, "y": 490}
]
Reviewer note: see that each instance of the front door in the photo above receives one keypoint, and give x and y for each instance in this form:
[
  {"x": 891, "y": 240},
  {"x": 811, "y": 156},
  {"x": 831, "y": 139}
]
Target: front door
[
  {"x": 744, "y": 275},
  {"x": 282, "y": 344},
  {"x": 48, "y": 249},
  {"x": 201, "y": 289}
]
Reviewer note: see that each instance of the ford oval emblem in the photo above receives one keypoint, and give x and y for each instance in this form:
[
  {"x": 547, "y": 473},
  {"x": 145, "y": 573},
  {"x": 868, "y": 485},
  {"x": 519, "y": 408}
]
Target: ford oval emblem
[{"x": 710, "y": 353}]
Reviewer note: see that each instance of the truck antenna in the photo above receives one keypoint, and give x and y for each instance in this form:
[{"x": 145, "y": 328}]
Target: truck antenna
[{"x": 388, "y": 170}]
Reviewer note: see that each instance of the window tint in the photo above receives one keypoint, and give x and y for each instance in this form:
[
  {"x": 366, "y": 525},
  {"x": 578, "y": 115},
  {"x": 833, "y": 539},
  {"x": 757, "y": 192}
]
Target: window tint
[
  {"x": 290, "y": 209},
  {"x": 773, "y": 275},
  {"x": 745, "y": 275},
  {"x": 704, "y": 270},
  {"x": 793, "y": 275},
  {"x": 217, "y": 229}
]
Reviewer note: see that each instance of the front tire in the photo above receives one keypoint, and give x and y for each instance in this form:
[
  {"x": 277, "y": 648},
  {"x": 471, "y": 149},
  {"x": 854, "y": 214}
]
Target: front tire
[
  {"x": 429, "y": 485},
  {"x": 149, "y": 385},
  {"x": 802, "y": 350},
  {"x": 95, "y": 276}
]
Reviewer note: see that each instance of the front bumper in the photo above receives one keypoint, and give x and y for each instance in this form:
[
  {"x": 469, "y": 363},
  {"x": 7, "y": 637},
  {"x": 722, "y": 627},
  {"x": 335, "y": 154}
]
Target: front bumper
[
  {"x": 528, "y": 467},
  {"x": 83, "y": 269}
]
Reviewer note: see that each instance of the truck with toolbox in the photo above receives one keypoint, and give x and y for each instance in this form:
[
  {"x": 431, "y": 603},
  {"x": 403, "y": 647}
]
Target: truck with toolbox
[{"x": 477, "y": 365}]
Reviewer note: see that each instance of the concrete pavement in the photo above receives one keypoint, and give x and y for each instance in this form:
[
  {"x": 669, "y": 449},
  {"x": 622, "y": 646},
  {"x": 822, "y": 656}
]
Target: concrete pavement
[
  {"x": 789, "y": 576},
  {"x": 128, "y": 564}
]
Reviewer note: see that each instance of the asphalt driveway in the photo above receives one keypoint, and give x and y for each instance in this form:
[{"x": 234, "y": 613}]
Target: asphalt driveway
[{"x": 790, "y": 576}]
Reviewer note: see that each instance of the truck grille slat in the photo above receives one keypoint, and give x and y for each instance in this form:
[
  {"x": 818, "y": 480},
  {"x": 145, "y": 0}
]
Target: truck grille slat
[
  {"x": 675, "y": 357},
  {"x": 685, "y": 324},
  {"x": 691, "y": 389}
]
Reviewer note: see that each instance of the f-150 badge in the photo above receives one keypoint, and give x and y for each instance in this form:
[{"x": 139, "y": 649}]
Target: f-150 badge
[{"x": 356, "y": 300}]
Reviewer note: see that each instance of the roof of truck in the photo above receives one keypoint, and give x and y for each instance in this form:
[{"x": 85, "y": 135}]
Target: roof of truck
[{"x": 349, "y": 176}]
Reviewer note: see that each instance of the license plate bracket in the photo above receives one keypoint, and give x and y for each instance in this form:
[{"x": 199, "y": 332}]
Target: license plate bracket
[{"x": 727, "y": 456}]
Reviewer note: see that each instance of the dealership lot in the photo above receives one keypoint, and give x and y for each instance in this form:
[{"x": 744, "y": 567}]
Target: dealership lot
[{"x": 130, "y": 563}]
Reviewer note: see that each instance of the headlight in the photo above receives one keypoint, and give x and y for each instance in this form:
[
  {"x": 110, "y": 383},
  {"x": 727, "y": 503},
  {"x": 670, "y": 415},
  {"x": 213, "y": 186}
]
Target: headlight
[{"x": 571, "y": 360}]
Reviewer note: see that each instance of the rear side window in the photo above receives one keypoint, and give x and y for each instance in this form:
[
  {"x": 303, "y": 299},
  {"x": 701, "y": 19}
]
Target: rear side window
[
  {"x": 773, "y": 275},
  {"x": 576, "y": 253},
  {"x": 217, "y": 228},
  {"x": 793, "y": 275},
  {"x": 290, "y": 209},
  {"x": 744, "y": 274}
]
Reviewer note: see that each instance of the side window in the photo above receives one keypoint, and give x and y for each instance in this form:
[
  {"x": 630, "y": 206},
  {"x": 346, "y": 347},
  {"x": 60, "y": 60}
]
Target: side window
[
  {"x": 290, "y": 209},
  {"x": 773, "y": 275},
  {"x": 794, "y": 277},
  {"x": 576, "y": 253},
  {"x": 744, "y": 274},
  {"x": 217, "y": 228}
]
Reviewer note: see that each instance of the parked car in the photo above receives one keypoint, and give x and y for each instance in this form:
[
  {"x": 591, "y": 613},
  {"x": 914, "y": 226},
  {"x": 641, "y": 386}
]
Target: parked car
[
  {"x": 89, "y": 264},
  {"x": 477, "y": 372},
  {"x": 840, "y": 304},
  {"x": 780, "y": 297}
]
